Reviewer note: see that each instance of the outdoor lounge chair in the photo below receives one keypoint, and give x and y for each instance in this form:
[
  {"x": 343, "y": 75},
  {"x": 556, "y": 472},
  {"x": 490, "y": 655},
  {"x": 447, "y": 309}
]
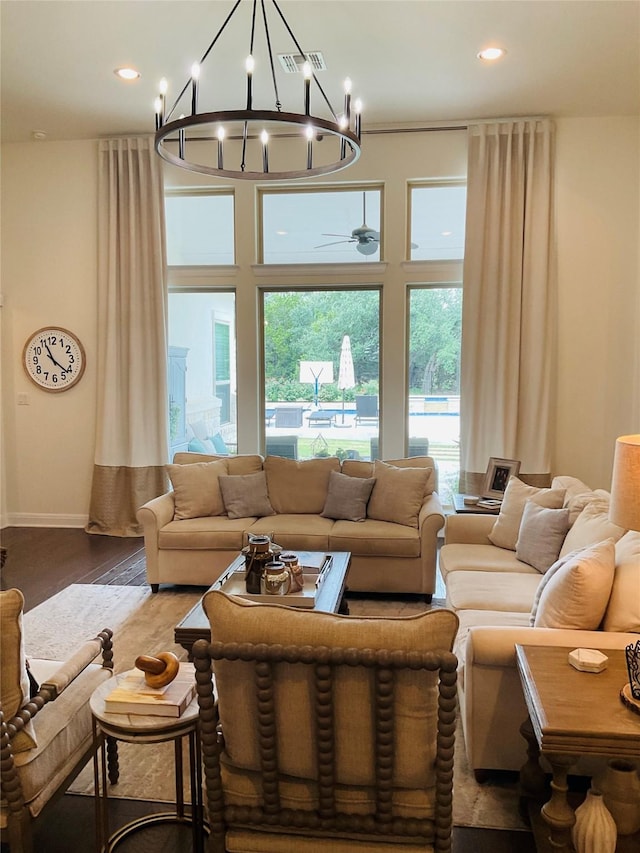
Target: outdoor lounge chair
[
  {"x": 282, "y": 445},
  {"x": 366, "y": 408}
]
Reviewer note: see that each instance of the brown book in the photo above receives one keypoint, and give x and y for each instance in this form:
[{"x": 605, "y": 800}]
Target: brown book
[{"x": 132, "y": 695}]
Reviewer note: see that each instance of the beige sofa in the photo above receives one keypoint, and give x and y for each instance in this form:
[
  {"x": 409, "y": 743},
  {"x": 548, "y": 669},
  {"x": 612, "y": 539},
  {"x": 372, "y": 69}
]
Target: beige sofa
[
  {"x": 193, "y": 532},
  {"x": 590, "y": 601}
]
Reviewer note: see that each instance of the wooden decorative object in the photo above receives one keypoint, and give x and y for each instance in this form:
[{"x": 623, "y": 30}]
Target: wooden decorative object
[
  {"x": 627, "y": 699},
  {"x": 159, "y": 670}
]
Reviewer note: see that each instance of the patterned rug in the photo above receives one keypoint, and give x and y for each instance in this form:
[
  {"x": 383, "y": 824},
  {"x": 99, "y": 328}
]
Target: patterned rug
[{"x": 143, "y": 624}]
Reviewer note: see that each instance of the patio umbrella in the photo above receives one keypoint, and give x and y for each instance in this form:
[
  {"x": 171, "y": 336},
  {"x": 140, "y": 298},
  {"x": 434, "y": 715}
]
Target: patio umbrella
[{"x": 346, "y": 377}]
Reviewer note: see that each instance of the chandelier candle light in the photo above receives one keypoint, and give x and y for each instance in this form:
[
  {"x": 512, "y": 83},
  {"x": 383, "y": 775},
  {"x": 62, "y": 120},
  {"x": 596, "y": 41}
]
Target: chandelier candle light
[{"x": 257, "y": 129}]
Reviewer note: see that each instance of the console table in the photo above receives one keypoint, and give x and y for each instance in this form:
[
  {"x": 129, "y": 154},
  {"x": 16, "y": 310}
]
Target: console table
[{"x": 572, "y": 714}]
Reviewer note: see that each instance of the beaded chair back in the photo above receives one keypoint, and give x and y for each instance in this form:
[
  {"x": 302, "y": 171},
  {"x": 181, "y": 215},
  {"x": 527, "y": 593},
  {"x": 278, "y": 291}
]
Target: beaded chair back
[{"x": 320, "y": 802}]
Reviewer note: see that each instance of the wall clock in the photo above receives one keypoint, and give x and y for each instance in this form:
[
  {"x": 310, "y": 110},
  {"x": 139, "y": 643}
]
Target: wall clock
[{"x": 54, "y": 358}]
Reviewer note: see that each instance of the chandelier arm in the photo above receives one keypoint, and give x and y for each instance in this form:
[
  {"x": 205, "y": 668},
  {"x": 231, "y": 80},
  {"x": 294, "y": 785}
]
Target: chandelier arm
[
  {"x": 297, "y": 44},
  {"x": 253, "y": 26},
  {"x": 273, "y": 71},
  {"x": 206, "y": 53}
]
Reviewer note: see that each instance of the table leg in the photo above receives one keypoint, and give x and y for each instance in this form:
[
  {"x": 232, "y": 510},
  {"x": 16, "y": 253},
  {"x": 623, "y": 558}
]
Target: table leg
[
  {"x": 557, "y": 812},
  {"x": 532, "y": 782},
  {"x": 177, "y": 746}
]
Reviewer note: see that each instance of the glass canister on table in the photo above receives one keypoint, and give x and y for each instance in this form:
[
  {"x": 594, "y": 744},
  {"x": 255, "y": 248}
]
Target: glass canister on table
[
  {"x": 295, "y": 569},
  {"x": 257, "y": 554}
]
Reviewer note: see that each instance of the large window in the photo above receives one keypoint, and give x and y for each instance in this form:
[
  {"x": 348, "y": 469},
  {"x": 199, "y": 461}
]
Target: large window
[
  {"x": 437, "y": 217},
  {"x": 202, "y": 373},
  {"x": 321, "y": 226},
  {"x": 199, "y": 228},
  {"x": 435, "y": 324},
  {"x": 322, "y": 364}
]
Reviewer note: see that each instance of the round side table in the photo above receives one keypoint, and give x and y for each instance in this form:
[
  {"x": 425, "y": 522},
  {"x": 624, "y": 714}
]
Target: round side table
[{"x": 141, "y": 729}]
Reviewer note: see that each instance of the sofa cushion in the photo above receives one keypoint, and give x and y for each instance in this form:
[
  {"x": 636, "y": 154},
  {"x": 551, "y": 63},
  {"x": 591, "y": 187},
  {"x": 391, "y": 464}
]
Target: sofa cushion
[
  {"x": 623, "y": 609},
  {"x": 414, "y": 751},
  {"x": 375, "y": 538},
  {"x": 504, "y": 532},
  {"x": 296, "y": 531},
  {"x": 500, "y": 591},
  {"x": 361, "y": 468},
  {"x": 591, "y": 526},
  {"x": 398, "y": 493},
  {"x": 245, "y": 495},
  {"x": 299, "y": 486},
  {"x": 575, "y": 591},
  {"x": 542, "y": 532},
  {"x": 465, "y": 557},
  {"x": 14, "y": 683},
  {"x": 347, "y": 497},
  {"x": 196, "y": 490},
  {"x": 214, "y": 532}
]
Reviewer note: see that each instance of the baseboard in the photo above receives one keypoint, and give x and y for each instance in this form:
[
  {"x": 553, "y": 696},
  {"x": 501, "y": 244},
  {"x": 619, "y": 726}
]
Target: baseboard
[{"x": 19, "y": 519}]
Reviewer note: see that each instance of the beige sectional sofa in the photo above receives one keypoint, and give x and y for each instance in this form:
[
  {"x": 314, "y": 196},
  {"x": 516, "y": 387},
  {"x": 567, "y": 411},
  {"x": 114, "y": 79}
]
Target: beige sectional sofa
[
  {"x": 585, "y": 593},
  {"x": 387, "y": 514}
]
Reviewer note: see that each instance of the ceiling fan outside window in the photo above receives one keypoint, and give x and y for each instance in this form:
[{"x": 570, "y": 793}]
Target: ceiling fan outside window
[{"x": 366, "y": 239}]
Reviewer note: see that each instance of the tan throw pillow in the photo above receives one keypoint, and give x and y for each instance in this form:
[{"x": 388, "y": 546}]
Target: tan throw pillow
[
  {"x": 347, "y": 497},
  {"x": 14, "y": 681},
  {"x": 623, "y": 609},
  {"x": 245, "y": 495},
  {"x": 542, "y": 532},
  {"x": 591, "y": 526},
  {"x": 299, "y": 487},
  {"x": 398, "y": 493},
  {"x": 574, "y": 594},
  {"x": 196, "y": 490},
  {"x": 504, "y": 532}
]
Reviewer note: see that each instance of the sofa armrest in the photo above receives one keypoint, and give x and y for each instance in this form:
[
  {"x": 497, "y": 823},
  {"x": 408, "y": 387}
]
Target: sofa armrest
[
  {"x": 495, "y": 646},
  {"x": 153, "y": 516},
  {"x": 430, "y": 523},
  {"x": 469, "y": 529}
]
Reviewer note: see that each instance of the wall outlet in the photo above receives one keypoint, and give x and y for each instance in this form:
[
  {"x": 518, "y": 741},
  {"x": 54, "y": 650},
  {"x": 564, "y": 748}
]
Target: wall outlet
[{"x": 23, "y": 399}]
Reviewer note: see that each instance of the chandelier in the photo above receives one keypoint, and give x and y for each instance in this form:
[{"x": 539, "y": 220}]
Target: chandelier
[{"x": 241, "y": 143}]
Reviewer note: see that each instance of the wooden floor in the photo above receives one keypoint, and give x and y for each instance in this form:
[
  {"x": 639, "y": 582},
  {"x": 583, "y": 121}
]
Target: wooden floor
[{"x": 43, "y": 561}]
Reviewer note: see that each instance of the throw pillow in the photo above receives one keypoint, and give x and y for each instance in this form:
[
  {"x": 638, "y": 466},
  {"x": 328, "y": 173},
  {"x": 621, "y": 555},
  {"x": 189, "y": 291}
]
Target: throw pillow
[
  {"x": 591, "y": 526},
  {"x": 196, "y": 490},
  {"x": 347, "y": 497},
  {"x": 623, "y": 609},
  {"x": 504, "y": 532},
  {"x": 575, "y": 591},
  {"x": 398, "y": 493},
  {"x": 245, "y": 495},
  {"x": 542, "y": 532},
  {"x": 299, "y": 487},
  {"x": 14, "y": 681}
]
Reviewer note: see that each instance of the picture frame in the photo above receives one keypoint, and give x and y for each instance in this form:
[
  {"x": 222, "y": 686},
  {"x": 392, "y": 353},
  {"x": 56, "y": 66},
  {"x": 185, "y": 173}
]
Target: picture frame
[{"x": 498, "y": 473}]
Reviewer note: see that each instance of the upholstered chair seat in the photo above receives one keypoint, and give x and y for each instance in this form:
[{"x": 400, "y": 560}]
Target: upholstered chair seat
[{"x": 46, "y": 728}]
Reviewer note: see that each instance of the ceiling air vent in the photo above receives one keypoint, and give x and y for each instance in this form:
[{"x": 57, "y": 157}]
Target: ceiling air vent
[{"x": 293, "y": 62}]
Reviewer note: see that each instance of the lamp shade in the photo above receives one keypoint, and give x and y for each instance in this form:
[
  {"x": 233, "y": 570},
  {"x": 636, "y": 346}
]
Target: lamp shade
[{"x": 624, "y": 509}]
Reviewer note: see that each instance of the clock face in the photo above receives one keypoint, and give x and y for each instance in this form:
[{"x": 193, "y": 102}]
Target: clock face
[{"x": 54, "y": 359}]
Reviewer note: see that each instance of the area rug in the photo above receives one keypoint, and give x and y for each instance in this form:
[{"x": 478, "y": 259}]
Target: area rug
[{"x": 143, "y": 623}]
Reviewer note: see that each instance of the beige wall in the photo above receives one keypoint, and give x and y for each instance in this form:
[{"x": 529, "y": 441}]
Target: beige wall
[{"x": 49, "y": 273}]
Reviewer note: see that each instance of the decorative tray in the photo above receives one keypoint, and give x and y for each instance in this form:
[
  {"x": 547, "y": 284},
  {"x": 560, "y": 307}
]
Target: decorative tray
[{"x": 234, "y": 584}]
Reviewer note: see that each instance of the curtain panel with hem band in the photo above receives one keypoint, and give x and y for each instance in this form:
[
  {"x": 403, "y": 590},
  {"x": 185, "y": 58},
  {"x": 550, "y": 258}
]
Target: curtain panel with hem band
[
  {"x": 509, "y": 312},
  {"x": 131, "y": 434}
]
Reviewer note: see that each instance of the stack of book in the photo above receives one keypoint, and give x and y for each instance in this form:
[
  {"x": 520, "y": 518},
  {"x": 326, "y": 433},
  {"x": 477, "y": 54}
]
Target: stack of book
[{"x": 132, "y": 695}]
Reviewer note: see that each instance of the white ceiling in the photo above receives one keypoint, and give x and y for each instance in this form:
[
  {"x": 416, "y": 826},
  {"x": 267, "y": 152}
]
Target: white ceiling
[{"x": 411, "y": 61}]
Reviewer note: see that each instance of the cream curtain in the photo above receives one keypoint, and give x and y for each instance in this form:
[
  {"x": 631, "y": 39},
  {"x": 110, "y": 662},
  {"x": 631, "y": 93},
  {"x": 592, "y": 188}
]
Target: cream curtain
[
  {"x": 131, "y": 436},
  {"x": 509, "y": 310}
]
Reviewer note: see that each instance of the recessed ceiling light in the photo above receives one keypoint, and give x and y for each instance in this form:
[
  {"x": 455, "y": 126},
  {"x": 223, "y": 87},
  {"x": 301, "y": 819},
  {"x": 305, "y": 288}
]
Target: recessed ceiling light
[
  {"x": 282, "y": 233},
  {"x": 446, "y": 233},
  {"x": 492, "y": 53},
  {"x": 127, "y": 73}
]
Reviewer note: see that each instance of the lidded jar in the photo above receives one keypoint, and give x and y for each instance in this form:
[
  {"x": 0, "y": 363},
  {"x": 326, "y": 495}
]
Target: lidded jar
[{"x": 277, "y": 578}]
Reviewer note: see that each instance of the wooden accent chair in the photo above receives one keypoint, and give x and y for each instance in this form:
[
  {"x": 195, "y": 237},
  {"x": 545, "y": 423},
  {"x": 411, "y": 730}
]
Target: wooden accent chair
[
  {"x": 46, "y": 737},
  {"x": 326, "y": 732}
]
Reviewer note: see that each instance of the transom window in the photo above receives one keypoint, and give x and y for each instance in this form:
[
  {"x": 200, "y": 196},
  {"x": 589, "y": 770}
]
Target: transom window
[
  {"x": 437, "y": 220},
  {"x": 199, "y": 228}
]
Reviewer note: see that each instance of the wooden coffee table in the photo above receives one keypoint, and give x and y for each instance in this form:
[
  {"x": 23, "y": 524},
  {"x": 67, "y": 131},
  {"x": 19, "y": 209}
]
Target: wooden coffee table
[
  {"x": 572, "y": 714},
  {"x": 329, "y": 598}
]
